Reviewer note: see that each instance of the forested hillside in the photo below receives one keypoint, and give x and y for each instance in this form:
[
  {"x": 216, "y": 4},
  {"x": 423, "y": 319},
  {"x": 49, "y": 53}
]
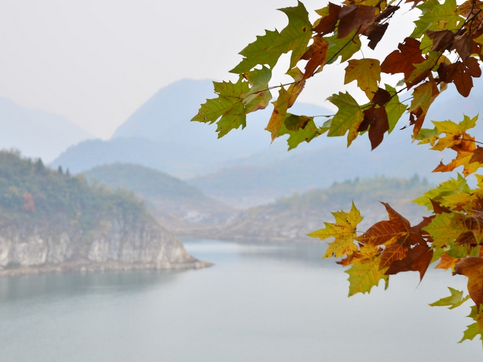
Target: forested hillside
[
  {"x": 52, "y": 221},
  {"x": 292, "y": 218},
  {"x": 181, "y": 207}
]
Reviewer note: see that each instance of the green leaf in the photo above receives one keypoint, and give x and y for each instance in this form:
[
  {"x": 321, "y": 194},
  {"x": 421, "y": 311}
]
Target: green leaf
[
  {"x": 306, "y": 134},
  {"x": 259, "y": 52},
  {"x": 229, "y": 106},
  {"x": 394, "y": 108},
  {"x": 344, "y": 232},
  {"x": 365, "y": 275},
  {"x": 437, "y": 16},
  {"x": 453, "y": 187},
  {"x": 296, "y": 35},
  {"x": 453, "y": 301},
  {"x": 259, "y": 95},
  {"x": 344, "y": 47},
  {"x": 348, "y": 117},
  {"x": 471, "y": 332},
  {"x": 444, "y": 229}
]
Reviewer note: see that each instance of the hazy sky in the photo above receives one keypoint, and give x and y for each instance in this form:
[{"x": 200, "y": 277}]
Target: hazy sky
[{"x": 96, "y": 62}]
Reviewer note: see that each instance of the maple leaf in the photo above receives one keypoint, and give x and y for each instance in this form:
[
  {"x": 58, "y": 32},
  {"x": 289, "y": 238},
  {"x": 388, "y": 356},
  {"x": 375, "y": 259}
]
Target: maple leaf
[
  {"x": 316, "y": 56},
  {"x": 258, "y": 96},
  {"x": 327, "y": 23},
  {"x": 296, "y": 35},
  {"x": 453, "y": 301},
  {"x": 285, "y": 100},
  {"x": 344, "y": 232},
  {"x": 376, "y": 118},
  {"x": 344, "y": 48},
  {"x": 403, "y": 59},
  {"x": 394, "y": 108},
  {"x": 447, "y": 262},
  {"x": 374, "y": 33},
  {"x": 460, "y": 73},
  {"x": 396, "y": 234},
  {"x": 304, "y": 133},
  {"x": 355, "y": 17},
  {"x": 365, "y": 275},
  {"x": 417, "y": 258},
  {"x": 472, "y": 267},
  {"x": 442, "y": 39},
  {"x": 348, "y": 117},
  {"x": 367, "y": 73},
  {"x": 259, "y": 52},
  {"x": 437, "y": 16}
]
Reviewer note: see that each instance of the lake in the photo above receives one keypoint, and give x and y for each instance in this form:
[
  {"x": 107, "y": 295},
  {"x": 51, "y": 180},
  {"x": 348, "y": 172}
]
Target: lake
[{"x": 260, "y": 302}]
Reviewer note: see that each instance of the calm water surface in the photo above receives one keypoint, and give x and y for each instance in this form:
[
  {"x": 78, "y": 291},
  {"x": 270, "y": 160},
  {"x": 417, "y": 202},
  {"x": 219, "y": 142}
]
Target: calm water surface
[{"x": 259, "y": 303}]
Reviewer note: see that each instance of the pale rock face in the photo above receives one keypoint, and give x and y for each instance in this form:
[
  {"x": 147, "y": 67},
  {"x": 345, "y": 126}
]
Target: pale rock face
[{"x": 143, "y": 242}]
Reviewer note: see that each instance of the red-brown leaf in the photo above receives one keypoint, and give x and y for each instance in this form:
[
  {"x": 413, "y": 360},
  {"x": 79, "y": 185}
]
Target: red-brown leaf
[
  {"x": 374, "y": 33},
  {"x": 442, "y": 39},
  {"x": 377, "y": 118},
  {"x": 327, "y": 23},
  {"x": 472, "y": 267},
  {"x": 403, "y": 59},
  {"x": 355, "y": 17}
]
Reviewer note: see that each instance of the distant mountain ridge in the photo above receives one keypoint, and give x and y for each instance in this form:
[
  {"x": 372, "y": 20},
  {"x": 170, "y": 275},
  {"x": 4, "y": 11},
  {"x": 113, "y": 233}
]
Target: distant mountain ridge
[
  {"x": 36, "y": 133},
  {"x": 160, "y": 135}
]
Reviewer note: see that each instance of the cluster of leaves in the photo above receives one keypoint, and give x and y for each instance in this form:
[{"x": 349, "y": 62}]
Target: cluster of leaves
[
  {"x": 32, "y": 194},
  {"x": 444, "y": 46}
]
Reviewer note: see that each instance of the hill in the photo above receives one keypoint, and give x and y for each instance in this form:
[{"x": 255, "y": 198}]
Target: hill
[
  {"x": 160, "y": 135},
  {"x": 36, "y": 133},
  {"x": 291, "y": 218},
  {"x": 51, "y": 221},
  {"x": 184, "y": 209},
  {"x": 253, "y": 181}
]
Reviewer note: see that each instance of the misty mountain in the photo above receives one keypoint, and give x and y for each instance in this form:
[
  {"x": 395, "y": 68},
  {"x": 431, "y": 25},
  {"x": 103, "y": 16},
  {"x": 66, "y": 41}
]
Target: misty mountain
[
  {"x": 182, "y": 208},
  {"x": 36, "y": 133},
  {"x": 250, "y": 183},
  {"x": 160, "y": 135}
]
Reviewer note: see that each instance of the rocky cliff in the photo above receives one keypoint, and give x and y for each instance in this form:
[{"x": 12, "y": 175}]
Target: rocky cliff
[
  {"x": 53, "y": 222},
  {"x": 145, "y": 245}
]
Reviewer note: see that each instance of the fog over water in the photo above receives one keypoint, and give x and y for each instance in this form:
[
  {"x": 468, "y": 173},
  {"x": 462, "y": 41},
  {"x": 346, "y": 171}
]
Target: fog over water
[{"x": 259, "y": 303}]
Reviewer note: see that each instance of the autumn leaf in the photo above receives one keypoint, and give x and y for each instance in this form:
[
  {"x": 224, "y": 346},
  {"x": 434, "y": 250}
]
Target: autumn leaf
[
  {"x": 365, "y": 275},
  {"x": 316, "y": 56},
  {"x": 327, "y": 23},
  {"x": 403, "y": 59},
  {"x": 453, "y": 301},
  {"x": 347, "y": 119},
  {"x": 472, "y": 267},
  {"x": 259, "y": 52},
  {"x": 367, "y": 73},
  {"x": 353, "y": 17},
  {"x": 344, "y": 232},
  {"x": 306, "y": 131},
  {"x": 285, "y": 100}
]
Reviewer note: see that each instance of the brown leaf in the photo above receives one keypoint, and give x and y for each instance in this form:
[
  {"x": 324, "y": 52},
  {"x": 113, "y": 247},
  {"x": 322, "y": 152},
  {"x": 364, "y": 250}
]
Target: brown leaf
[
  {"x": 387, "y": 12},
  {"x": 438, "y": 208},
  {"x": 463, "y": 44},
  {"x": 466, "y": 238},
  {"x": 403, "y": 59},
  {"x": 417, "y": 259},
  {"x": 442, "y": 39},
  {"x": 377, "y": 119},
  {"x": 327, "y": 23},
  {"x": 355, "y": 17},
  {"x": 472, "y": 267},
  {"x": 477, "y": 155},
  {"x": 316, "y": 56},
  {"x": 381, "y": 97},
  {"x": 460, "y": 73},
  {"x": 447, "y": 262},
  {"x": 374, "y": 33}
]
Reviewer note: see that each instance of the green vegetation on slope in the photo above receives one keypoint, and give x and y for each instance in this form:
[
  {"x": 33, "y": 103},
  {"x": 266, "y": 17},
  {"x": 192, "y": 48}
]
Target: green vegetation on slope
[
  {"x": 31, "y": 193},
  {"x": 292, "y": 218},
  {"x": 146, "y": 182}
]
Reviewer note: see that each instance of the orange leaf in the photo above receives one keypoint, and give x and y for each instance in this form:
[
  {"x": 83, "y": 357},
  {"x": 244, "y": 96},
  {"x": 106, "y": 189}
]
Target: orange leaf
[{"x": 472, "y": 267}]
